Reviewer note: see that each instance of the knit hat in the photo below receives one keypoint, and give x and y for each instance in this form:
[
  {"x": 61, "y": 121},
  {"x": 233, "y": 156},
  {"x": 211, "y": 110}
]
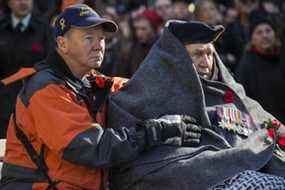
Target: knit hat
[
  {"x": 154, "y": 19},
  {"x": 259, "y": 17}
]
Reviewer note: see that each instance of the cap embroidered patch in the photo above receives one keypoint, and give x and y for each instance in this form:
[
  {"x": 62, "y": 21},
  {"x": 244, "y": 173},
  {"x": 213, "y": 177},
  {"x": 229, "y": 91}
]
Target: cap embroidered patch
[
  {"x": 84, "y": 11},
  {"x": 62, "y": 23}
]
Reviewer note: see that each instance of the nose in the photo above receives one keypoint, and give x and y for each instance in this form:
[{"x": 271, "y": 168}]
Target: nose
[
  {"x": 205, "y": 61},
  {"x": 264, "y": 34}
]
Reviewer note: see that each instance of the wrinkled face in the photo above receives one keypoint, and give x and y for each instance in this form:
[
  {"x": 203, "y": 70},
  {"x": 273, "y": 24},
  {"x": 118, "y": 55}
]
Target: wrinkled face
[
  {"x": 144, "y": 31},
  {"x": 202, "y": 57},
  {"x": 21, "y": 8},
  {"x": 84, "y": 47},
  {"x": 164, "y": 9},
  {"x": 263, "y": 37}
]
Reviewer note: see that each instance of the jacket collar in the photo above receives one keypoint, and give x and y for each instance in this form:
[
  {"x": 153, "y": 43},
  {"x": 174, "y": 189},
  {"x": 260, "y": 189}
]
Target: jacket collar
[{"x": 58, "y": 65}]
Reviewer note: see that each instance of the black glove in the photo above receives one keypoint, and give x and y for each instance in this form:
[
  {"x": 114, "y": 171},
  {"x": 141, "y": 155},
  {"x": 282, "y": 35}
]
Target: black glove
[{"x": 173, "y": 130}]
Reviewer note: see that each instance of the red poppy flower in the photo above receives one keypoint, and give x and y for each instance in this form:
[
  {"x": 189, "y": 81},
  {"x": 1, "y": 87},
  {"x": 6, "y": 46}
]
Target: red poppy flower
[
  {"x": 275, "y": 123},
  {"x": 37, "y": 47},
  {"x": 281, "y": 141},
  {"x": 100, "y": 81},
  {"x": 229, "y": 96},
  {"x": 270, "y": 133}
]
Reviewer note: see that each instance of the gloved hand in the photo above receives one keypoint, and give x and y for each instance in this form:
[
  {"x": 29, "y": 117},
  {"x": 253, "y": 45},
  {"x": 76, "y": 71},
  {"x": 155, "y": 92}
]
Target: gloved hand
[{"x": 173, "y": 130}]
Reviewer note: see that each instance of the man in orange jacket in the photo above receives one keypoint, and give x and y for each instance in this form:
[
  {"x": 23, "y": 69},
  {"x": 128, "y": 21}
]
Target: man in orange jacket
[{"x": 57, "y": 136}]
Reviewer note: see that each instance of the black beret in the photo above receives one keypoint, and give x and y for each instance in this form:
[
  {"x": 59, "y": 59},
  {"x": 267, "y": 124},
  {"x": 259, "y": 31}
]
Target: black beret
[{"x": 193, "y": 32}]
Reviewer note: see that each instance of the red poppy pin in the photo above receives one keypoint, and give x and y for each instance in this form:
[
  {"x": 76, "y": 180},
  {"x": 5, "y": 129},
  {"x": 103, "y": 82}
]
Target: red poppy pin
[
  {"x": 100, "y": 81},
  {"x": 229, "y": 96},
  {"x": 272, "y": 125}
]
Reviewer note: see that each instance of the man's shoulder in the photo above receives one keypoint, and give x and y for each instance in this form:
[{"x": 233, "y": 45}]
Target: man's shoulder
[{"x": 45, "y": 76}]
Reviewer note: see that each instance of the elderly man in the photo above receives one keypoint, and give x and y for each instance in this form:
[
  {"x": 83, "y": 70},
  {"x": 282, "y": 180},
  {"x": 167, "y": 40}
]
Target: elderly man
[
  {"x": 56, "y": 136},
  {"x": 240, "y": 145}
]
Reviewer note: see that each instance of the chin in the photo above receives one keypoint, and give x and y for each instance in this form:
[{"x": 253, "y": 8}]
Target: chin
[{"x": 97, "y": 65}]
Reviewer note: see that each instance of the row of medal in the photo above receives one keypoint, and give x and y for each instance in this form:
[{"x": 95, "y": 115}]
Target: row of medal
[{"x": 234, "y": 120}]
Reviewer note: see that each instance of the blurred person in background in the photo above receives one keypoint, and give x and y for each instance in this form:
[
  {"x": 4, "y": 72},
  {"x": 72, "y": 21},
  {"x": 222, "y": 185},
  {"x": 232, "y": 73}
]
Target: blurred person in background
[
  {"x": 181, "y": 11},
  {"x": 270, "y": 8},
  {"x": 164, "y": 9},
  {"x": 117, "y": 46},
  {"x": 60, "y": 5},
  {"x": 145, "y": 33},
  {"x": 230, "y": 15},
  {"x": 237, "y": 32},
  {"x": 24, "y": 40},
  {"x": 260, "y": 70},
  {"x": 207, "y": 11}
]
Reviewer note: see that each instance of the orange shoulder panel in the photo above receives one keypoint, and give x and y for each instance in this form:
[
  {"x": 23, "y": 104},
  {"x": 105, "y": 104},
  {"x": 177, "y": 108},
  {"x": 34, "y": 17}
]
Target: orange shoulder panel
[{"x": 58, "y": 116}]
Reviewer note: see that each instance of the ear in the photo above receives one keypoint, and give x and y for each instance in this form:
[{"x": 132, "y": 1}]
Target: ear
[{"x": 62, "y": 44}]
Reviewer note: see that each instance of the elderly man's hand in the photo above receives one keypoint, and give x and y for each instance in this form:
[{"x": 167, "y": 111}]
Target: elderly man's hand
[{"x": 173, "y": 130}]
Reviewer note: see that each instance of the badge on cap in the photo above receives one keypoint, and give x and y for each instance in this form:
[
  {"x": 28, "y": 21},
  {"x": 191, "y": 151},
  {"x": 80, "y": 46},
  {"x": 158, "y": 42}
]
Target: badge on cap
[
  {"x": 84, "y": 11},
  {"x": 62, "y": 23}
]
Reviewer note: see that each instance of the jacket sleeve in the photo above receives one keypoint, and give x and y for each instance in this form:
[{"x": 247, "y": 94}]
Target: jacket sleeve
[{"x": 65, "y": 127}]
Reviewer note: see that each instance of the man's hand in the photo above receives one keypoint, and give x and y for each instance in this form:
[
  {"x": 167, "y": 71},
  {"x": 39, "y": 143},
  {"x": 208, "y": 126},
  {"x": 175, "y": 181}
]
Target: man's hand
[{"x": 172, "y": 129}]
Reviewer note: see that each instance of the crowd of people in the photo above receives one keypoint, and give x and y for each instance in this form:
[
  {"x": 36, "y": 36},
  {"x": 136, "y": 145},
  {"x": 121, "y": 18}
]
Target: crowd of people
[
  {"x": 253, "y": 34},
  {"x": 145, "y": 93}
]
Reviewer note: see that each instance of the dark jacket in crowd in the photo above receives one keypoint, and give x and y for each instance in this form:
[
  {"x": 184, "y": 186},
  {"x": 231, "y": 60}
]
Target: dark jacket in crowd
[
  {"x": 138, "y": 51},
  {"x": 114, "y": 57},
  {"x": 262, "y": 78},
  {"x": 19, "y": 49},
  {"x": 234, "y": 40}
]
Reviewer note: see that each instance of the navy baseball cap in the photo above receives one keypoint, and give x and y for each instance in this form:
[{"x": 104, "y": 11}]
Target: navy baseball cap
[{"x": 81, "y": 16}]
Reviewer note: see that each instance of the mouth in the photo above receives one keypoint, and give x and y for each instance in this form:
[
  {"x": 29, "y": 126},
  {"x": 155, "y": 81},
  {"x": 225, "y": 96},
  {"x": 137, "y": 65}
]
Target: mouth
[
  {"x": 203, "y": 70},
  {"x": 96, "y": 58}
]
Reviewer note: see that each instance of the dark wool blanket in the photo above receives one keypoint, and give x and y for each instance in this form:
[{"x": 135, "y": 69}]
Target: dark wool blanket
[{"x": 167, "y": 83}]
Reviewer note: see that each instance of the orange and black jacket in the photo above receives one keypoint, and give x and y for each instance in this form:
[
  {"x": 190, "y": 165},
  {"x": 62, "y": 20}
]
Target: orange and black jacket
[{"x": 64, "y": 120}]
